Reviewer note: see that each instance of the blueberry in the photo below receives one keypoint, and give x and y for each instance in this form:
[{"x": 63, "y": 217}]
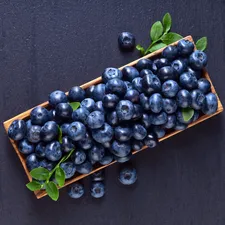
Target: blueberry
[
  {"x": 64, "y": 110},
  {"x": 151, "y": 140},
  {"x": 125, "y": 110},
  {"x": 57, "y": 97},
  {"x": 137, "y": 83},
  {"x": 145, "y": 72},
  {"x": 169, "y": 105},
  {"x": 151, "y": 84},
  {"x": 99, "y": 106},
  {"x": 115, "y": 86},
  {"x": 97, "y": 152},
  {"x": 123, "y": 159},
  {"x": 138, "y": 112},
  {"x": 159, "y": 131},
  {"x": 120, "y": 149},
  {"x": 84, "y": 168},
  {"x": 88, "y": 104},
  {"x": 64, "y": 128},
  {"x": 32, "y": 162},
  {"x": 106, "y": 144},
  {"x": 112, "y": 118},
  {"x": 196, "y": 73},
  {"x": 98, "y": 176},
  {"x": 156, "y": 103},
  {"x": 78, "y": 157},
  {"x": 180, "y": 117},
  {"x": 185, "y": 47},
  {"x": 144, "y": 64},
  {"x": 81, "y": 115},
  {"x": 17, "y": 130},
  {"x": 49, "y": 131},
  {"x": 139, "y": 132},
  {"x": 86, "y": 142},
  {"x": 40, "y": 150},
  {"x": 180, "y": 126},
  {"x": 89, "y": 91},
  {"x": 53, "y": 151},
  {"x": 198, "y": 99},
  {"x": 129, "y": 73},
  {"x": 128, "y": 85},
  {"x": 76, "y": 131},
  {"x": 198, "y": 60},
  {"x": 97, "y": 189},
  {"x": 39, "y": 115},
  {"x": 170, "y": 52},
  {"x": 53, "y": 117},
  {"x": 204, "y": 85},
  {"x": 33, "y": 134},
  {"x": 171, "y": 121},
  {"x": 76, "y": 94},
  {"x": 154, "y": 68},
  {"x": 188, "y": 81},
  {"x": 103, "y": 134},
  {"x": 210, "y": 105},
  {"x": 95, "y": 119},
  {"x": 99, "y": 92},
  {"x": 108, "y": 158},
  {"x": 183, "y": 98},
  {"x": 69, "y": 169},
  {"x": 146, "y": 120},
  {"x": 47, "y": 164},
  {"x": 26, "y": 147},
  {"x": 167, "y": 73},
  {"x": 111, "y": 73},
  {"x": 170, "y": 88},
  {"x": 161, "y": 63},
  {"x": 195, "y": 116},
  {"x": 126, "y": 41},
  {"x": 159, "y": 119},
  {"x": 132, "y": 95},
  {"x": 28, "y": 124},
  {"x": 67, "y": 144},
  {"x": 76, "y": 190},
  {"x": 137, "y": 145},
  {"x": 110, "y": 101},
  {"x": 144, "y": 102},
  {"x": 123, "y": 133},
  {"x": 128, "y": 176},
  {"x": 179, "y": 65}
]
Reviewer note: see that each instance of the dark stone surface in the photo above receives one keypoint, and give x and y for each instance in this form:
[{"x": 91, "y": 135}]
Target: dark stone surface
[{"x": 46, "y": 45}]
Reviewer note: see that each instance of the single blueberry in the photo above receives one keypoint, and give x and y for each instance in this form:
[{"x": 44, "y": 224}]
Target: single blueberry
[
  {"x": 115, "y": 86},
  {"x": 156, "y": 103},
  {"x": 76, "y": 131},
  {"x": 123, "y": 133},
  {"x": 32, "y": 162},
  {"x": 120, "y": 149},
  {"x": 40, "y": 150},
  {"x": 57, "y": 97},
  {"x": 81, "y": 115},
  {"x": 161, "y": 62},
  {"x": 69, "y": 169},
  {"x": 33, "y": 134},
  {"x": 188, "y": 81},
  {"x": 185, "y": 47},
  {"x": 53, "y": 117},
  {"x": 159, "y": 119},
  {"x": 53, "y": 151},
  {"x": 95, "y": 119},
  {"x": 198, "y": 60},
  {"x": 47, "y": 164},
  {"x": 99, "y": 106},
  {"x": 84, "y": 168},
  {"x": 67, "y": 144},
  {"x": 128, "y": 85},
  {"x": 146, "y": 120},
  {"x": 144, "y": 102},
  {"x": 39, "y": 115},
  {"x": 139, "y": 132},
  {"x": 126, "y": 41},
  {"x": 171, "y": 121},
  {"x": 137, "y": 145},
  {"x": 210, "y": 105},
  {"x": 110, "y": 101},
  {"x": 129, "y": 73},
  {"x": 17, "y": 130},
  {"x": 125, "y": 110},
  {"x": 179, "y": 65},
  {"x": 103, "y": 134},
  {"x": 159, "y": 131},
  {"x": 198, "y": 99},
  {"x": 151, "y": 84},
  {"x": 180, "y": 126},
  {"x": 64, "y": 128},
  {"x": 127, "y": 176},
  {"x": 49, "y": 131},
  {"x": 112, "y": 118},
  {"x": 108, "y": 158},
  {"x": 183, "y": 98},
  {"x": 137, "y": 83},
  {"x": 76, "y": 94},
  {"x": 204, "y": 85},
  {"x": 89, "y": 91},
  {"x": 123, "y": 159},
  {"x": 170, "y": 52},
  {"x": 76, "y": 190},
  {"x": 145, "y": 72},
  {"x": 78, "y": 157},
  {"x": 151, "y": 140},
  {"x": 144, "y": 64},
  {"x": 196, "y": 73},
  {"x": 98, "y": 176},
  {"x": 97, "y": 152},
  {"x": 170, "y": 88},
  {"x": 86, "y": 142},
  {"x": 111, "y": 73},
  {"x": 132, "y": 95},
  {"x": 138, "y": 112},
  {"x": 167, "y": 73},
  {"x": 97, "y": 189},
  {"x": 169, "y": 105},
  {"x": 99, "y": 92},
  {"x": 64, "y": 110},
  {"x": 88, "y": 103},
  {"x": 26, "y": 147}
]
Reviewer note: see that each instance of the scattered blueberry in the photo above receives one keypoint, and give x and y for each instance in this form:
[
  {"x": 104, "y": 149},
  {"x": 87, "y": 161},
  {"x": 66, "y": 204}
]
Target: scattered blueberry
[
  {"x": 128, "y": 176},
  {"x": 97, "y": 189},
  {"x": 17, "y": 130},
  {"x": 76, "y": 190},
  {"x": 98, "y": 176},
  {"x": 76, "y": 94},
  {"x": 144, "y": 64},
  {"x": 126, "y": 41}
]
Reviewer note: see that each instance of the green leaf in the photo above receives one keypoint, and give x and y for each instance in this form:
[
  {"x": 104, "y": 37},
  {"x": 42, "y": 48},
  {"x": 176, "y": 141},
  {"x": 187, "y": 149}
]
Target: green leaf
[
  {"x": 170, "y": 38},
  {"x": 141, "y": 49},
  {"x": 60, "y": 135},
  {"x": 167, "y": 22},
  {"x": 60, "y": 176},
  {"x": 187, "y": 114},
  {"x": 34, "y": 186},
  {"x": 156, "y": 31},
  {"x": 157, "y": 46},
  {"x": 40, "y": 173},
  {"x": 52, "y": 190},
  {"x": 201, "y": 44},
  {"x": 75, "y": 105}
]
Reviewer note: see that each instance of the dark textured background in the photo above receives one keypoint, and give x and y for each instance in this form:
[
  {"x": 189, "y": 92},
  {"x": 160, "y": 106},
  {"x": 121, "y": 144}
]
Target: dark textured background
[{"x": 46, "y": 45}]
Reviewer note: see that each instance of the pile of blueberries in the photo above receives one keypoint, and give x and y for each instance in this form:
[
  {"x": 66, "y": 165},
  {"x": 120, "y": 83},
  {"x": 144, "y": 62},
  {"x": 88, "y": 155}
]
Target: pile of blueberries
[{"x": 130, "y": 109}]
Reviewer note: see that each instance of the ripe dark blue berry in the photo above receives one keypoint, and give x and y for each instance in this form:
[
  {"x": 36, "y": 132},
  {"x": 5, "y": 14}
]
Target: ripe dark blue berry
[
  {"x": 40, "y": 150},
  {"x": 156, "y": 103},
  {"x": 112, "y": 118},
  {"x": 69, "y": 169},
  {"x": 132, "y": 95},
  {"x": 196, "y": 73},
  {"x": 179, "y": 65},
  {"x": 125, "y": 110},
  {"x": 137, "y": 84},
  {"x": 86, "y": 142},
  {"x": 146, "y": 72},
  {"x": 170, "y": 52},
  {"x": 97, "y": 189},
  {"x": 33, "y": 134},
  {"x": 159, "y": 119},
  {"x": 53, "y": 151},
  {"x": 167, "y": 73},
  {"x": 151, "y": 140},
  {"x": 111, "y": 73},
  {"x": 159, "y": 63},
  {"x": 185, "y": 47},
  {"x": 110, "y": 101},
  {"x": 123, "y": 133},
  {"x": 32, "y": 162},
  {"x": 146, "y": 120},
  {"x": 17, "y": 130},
  {"x": 144, "y": 102},
  {"x": 81, "y": 115},
  {"x": 49, "y": 131},
  {"x": 98, "y": 176},
  {"x": 169, "y": 105},
  {"x": 115, "y": 86},
  {"x": 137, "y": 145},
  {"x": 210, "y": 105},
  {"x": 183, "y": 98},
  {"x": 188, "y": 81},
  {"x": 108, "y": 158},
  {"x": 76, "y": 190},
  {"x": 198, "y": 99},
  {"x": 139, "y": 132},
  {"x": 99, "y": 92},
  {"x": 138, "y": 112},
  {"x": 89, "y": 91},
  {"x": 128, "y": 176},
  {"x": 198, "y": 60},
  {"x": 103, "y": 134},
  {"x": 97, "y": 152},
  {"x": 88, "y": 103},
  {"x": 57, "y": 97},
  {"x": 26, "y": 147},
  {"x": 144, "y": 64},
  {"x": 159, "y": 131},
  {"x": 67, "y": 144},
  {"x": 64, "y": 110},
  {"x": 99, "y": 106},
  {"x": 78, "y": 157},
  {"x": 126, "y": 41},
  {"x": 204, "y": 85},
  {"x": 64, "y": 128},
  {"x": 150, "y": 84},
  {"x": 171, "y": 121},
  {"x": 120, "y": 149},
  {"x": 95, "y": 119},
  {"x": 129, "y": 73},
  {"x": 76, "y": 131},
  {"x": 170, "y": 88},
  {"x": 76, "y": 94},
  {"x": 84, "y": 168},
  {"x": 123, "y": 159},
  {"x": 39, "y": 115}
]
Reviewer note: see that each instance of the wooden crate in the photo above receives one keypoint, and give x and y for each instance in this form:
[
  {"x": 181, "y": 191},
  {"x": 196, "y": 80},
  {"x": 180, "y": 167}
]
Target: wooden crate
[{"x": 25, "y": 115}]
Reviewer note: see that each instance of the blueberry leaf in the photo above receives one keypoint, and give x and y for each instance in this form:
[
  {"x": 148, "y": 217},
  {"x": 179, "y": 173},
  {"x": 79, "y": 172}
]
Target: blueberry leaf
[
  {"x": 167, "y": 22},
  {"x": 52, "y": 190},
  {"x": 40, "y": 173},
  {"x": 170, "y": 38},
  {"x": 157, "y": 46},
  {"x": 156, "y": 31},
  {"x": 60, "y": 176},
  {"x": 141, "y": 49},
  {"x": 60, "y": 135},
  {"x": 187, "y": 114},
  {"x": 34, "y": 186},
  {"x": 75, "y": 105},
  {"x": 201, "y": 44}
]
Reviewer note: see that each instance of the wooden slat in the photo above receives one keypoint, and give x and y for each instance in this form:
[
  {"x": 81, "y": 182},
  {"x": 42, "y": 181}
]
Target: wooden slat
[{"x": 25, "y": 115}]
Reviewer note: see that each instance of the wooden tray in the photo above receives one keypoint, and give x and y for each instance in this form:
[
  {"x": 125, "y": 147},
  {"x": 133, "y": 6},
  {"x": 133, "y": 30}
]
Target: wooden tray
[{"x": 25, "y": 115}]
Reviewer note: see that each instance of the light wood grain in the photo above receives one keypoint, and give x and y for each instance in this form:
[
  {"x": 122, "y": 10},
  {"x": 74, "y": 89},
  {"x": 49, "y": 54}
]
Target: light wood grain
[{"x": 25, "y": 115}]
